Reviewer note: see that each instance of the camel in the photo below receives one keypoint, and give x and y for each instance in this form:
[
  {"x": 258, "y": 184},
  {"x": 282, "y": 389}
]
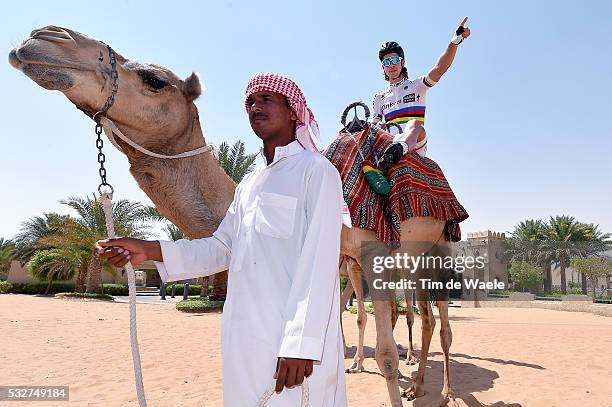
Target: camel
[
  {"x": 418, "y": 234},
  {"x": 155, "y": 108}
]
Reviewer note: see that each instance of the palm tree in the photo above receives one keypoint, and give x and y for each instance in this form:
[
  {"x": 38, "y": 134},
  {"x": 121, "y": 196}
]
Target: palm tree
[
  {"x": 525, "y": 245},
  {"x": 152, "y": 214},
  {"x": 234, "y": 160},
  {"x": 564, "y": 240},
  {"x": 32, "y": 233},
  {"x": 82, "y": 231},
  {"x": 7, "y": 249},
  {"x": 595, "y": 243},
  {"x": 173, "y": 232},
  {"x": 56, "y": 264},
  {"x": 524, "y": 240}
]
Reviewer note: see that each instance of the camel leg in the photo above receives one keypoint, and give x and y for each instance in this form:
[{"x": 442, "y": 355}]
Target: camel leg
[
  {"x": 411, "y": 358},
  {"x": 428, "y": 324},
  {"x": 446, "y": 339},
  {"x": 422, "y": 233},
  {"x": 346, "y": 294},
  {"x": 387, "y": 356},
  {"x": 394, "y": 313},
  {"x": 355, "y": 272}
]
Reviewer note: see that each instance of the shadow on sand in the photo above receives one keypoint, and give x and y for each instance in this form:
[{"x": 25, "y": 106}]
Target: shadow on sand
[{"x": 466, "y": 378}]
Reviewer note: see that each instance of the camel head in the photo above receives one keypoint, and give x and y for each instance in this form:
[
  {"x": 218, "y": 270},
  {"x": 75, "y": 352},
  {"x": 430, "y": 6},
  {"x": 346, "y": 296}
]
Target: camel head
[
  {"x": 153, "y": 107},
  {"x": 152, "y": 104}
]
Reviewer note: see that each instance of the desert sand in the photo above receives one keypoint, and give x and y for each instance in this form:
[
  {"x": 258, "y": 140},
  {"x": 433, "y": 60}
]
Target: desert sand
[{"x": 500, "y": 356}]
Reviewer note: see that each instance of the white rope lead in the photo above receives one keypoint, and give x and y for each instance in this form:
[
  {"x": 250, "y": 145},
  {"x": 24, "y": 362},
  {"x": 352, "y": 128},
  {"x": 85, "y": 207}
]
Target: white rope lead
[
  {"x": 107, "y": 205},
  {"x": 271, "y": 390},
  {"x": 111, "y": 131}
]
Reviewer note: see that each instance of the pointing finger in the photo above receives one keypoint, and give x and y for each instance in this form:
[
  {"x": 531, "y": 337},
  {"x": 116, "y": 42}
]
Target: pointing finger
[{"x": 463, "y": 22}]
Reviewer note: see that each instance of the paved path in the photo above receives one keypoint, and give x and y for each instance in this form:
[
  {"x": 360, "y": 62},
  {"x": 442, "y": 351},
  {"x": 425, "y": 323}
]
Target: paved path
[{"x": 151, "y": 299}]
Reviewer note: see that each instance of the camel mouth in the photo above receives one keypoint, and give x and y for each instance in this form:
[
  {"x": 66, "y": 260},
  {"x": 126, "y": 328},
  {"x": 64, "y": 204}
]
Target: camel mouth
[{"x": 47, "y": 71}]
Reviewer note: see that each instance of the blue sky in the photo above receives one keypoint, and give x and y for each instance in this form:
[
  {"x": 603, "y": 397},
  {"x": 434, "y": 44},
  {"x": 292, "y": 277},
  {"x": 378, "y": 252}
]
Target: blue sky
[{"x": 520, "y": 124}]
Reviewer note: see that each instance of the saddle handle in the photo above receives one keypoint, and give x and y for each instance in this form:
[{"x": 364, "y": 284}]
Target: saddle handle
[{"x": 355, "y": 123}]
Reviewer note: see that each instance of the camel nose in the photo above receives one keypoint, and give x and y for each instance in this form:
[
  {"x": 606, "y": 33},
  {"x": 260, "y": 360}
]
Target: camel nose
[{"x": 53, "y": 34}]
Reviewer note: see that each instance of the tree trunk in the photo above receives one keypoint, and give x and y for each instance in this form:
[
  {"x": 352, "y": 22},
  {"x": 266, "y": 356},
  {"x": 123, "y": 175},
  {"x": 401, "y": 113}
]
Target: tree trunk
[
  {"x": 94, "y": 275},
  {"x": 49, "y": 286},
  {"x": 547, "y": 278},
  {"x": 584, "y": 284},
  {"x": 563, "y": 285},
  {"x": 219, "y": 289},
  {"x": 204, "y": 290},
  {"x": 79, "y": 285}
]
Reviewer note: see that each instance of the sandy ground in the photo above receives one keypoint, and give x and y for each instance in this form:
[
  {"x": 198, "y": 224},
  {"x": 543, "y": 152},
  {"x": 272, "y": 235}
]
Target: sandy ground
[{"x": 500, "y": 356}]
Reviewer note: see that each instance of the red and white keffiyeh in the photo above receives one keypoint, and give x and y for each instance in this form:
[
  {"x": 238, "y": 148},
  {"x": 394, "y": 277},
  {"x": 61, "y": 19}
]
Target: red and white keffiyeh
[{"x": 272, "y": 82}]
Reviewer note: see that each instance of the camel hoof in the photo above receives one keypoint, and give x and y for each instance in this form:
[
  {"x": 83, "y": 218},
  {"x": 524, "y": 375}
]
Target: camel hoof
[
  {"x": 412, "y": 359},
  {"x": 355, "y": 368},
  {"x": 448, "y": 400},
  {"x": 413, "y": 392}
]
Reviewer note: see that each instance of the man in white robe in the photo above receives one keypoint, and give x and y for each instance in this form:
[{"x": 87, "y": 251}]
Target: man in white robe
[{"x": 280, "y": 240}]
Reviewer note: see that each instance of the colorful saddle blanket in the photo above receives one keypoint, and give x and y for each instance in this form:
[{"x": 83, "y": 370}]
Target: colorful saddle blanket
[{"x": 418, "y": 188}]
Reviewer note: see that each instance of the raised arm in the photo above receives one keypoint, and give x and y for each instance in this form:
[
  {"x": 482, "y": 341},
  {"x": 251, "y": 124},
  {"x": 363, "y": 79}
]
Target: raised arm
[{"x": 446, "y": 59}]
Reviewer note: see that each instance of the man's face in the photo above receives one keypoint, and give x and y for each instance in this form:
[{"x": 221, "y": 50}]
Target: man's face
[
  {"x": 270, "y": 114},
  {"x": 393, "y": 70}
]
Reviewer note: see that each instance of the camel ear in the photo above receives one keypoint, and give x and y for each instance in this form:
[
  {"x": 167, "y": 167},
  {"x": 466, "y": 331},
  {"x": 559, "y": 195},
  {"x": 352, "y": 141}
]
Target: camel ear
[{"x": 192, "y": 87}]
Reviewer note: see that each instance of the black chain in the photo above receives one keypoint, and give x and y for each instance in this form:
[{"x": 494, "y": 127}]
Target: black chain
[
  {"x": 101, "y": 160},
  {"x": 114, "y": 75}
]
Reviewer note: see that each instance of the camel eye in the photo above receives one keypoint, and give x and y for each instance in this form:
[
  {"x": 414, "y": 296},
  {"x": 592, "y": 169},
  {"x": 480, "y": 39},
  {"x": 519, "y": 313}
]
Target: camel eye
[{"x": 153, "y": 81}]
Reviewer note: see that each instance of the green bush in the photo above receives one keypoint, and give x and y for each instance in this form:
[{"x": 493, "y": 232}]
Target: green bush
[
  {"x": 40, "y": 288},
  {"x": 5, "y": 287},
  {"x": 501, "y": 293},
  {"x": 66, "y": 287},
  {"x": 199, "y": 305},
  {"x": 527, "y": 276},
  {"x": 95, "y": 296},
  {"x": 194, "y": 289},
  {"x": 115, "y": 289}
]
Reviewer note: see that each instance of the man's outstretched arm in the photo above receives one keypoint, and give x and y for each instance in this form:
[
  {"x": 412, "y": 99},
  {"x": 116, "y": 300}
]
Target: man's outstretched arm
[
  {"x": 446, "y": 59},
  {"x": 180, "y": 260}
]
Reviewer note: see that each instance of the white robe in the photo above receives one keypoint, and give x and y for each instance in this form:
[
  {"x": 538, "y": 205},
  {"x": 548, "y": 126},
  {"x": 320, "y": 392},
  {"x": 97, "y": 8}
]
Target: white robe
[{"x": 280, "y": 240}]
